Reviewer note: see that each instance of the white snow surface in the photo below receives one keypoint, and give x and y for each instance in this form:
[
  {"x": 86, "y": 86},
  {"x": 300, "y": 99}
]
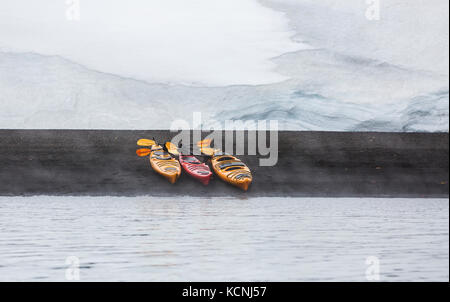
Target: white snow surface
[
  {"x": 196, "y": 42},
  {"x": 311, "y": 65}
]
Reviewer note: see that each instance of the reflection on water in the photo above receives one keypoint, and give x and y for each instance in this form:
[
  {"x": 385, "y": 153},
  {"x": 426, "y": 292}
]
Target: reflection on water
[{"x": 192, "y": 239}]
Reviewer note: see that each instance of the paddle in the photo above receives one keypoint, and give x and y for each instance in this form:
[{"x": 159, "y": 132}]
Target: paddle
[
  {"x": 205, "y": 148},
  {"x": 204, "y": 143},
  {"x": 208, "y": 151},
  {"x": 172, "y": 149},
  {"x": 143, "y": 152},
  {"x": 146, "y": 142}
]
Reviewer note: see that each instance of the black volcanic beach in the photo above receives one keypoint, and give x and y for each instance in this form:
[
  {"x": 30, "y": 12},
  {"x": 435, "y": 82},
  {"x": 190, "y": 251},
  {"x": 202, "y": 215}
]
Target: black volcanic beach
[{"x": 310, "y": 164}]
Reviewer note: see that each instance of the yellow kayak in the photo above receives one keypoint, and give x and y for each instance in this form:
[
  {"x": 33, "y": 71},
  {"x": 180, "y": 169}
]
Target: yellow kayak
[
  {"x": 160, "y": 160},
  {"x": 232, "y": 170}
]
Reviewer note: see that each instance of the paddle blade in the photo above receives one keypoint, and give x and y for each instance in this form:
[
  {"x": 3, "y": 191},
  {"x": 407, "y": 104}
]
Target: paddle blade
[
  {"x": 204, "y": 143},
  {"x": 209, "y": 151},
  {"x": 172, "y": 149},
  {"x": 145, "y": 142},
  {"x": 143, "y": 152}
]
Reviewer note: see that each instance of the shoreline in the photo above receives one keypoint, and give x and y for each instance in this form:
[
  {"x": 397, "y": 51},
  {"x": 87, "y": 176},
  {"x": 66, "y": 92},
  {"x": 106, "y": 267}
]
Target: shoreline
[{"x": 310, "y": 164}]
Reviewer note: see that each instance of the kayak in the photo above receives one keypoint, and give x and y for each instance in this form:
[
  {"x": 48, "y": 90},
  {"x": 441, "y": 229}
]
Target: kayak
[
  {"x": 195, "y": 168},
  {"x": 232, "y": 170},
  {"x": 164, "y": 164},
  {"x": 161, "y": 161},
  {"x": 190, "y": 164}
]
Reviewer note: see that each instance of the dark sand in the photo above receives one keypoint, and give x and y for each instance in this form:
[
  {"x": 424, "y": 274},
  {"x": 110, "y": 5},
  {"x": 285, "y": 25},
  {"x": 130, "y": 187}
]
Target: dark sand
[{"x": 326, "y": 164}]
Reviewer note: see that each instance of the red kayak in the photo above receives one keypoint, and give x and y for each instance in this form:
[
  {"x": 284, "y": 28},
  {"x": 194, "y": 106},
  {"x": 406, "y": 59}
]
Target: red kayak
[{"x": 195, "y": 168}]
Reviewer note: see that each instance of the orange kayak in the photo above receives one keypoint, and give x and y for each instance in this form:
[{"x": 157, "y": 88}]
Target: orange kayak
[
  {"x": 232, "y": 170},
  {"x": 164, "y": 164}
]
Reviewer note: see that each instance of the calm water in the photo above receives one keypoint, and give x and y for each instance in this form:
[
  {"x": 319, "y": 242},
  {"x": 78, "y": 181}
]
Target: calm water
[{"x": 192, "y": 239}]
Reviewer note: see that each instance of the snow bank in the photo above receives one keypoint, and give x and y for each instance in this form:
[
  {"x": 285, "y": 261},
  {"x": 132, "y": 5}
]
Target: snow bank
[
  {"x": 200, "y": 55},
  {"x": 410, "y": 33},
  {"x": 199, "y": 42}
]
